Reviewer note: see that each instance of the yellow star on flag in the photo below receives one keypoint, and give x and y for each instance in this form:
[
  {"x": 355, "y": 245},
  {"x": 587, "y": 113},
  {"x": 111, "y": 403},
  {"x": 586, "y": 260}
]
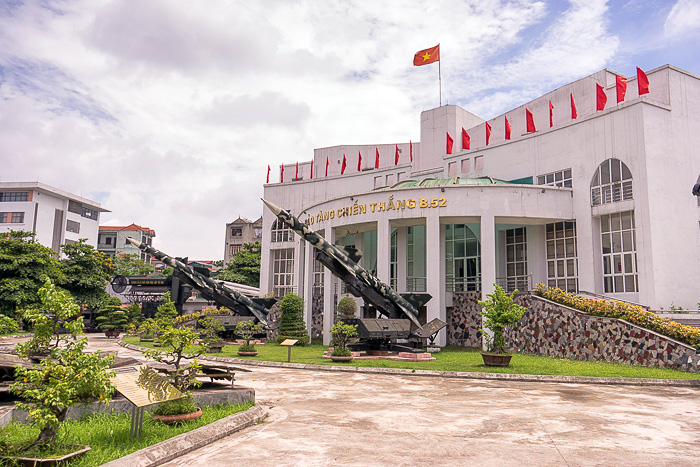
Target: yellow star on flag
[{"x": 426, "y": 56}]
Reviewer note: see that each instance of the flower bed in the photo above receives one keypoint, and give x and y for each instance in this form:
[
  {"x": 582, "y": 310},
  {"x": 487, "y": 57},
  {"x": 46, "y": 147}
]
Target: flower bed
[{"x": 621, "y": 310}]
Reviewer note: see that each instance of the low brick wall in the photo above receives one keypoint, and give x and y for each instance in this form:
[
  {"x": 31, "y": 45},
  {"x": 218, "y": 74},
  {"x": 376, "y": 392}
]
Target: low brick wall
[
  {"x": 464, "y": 320},
  {"x": 555, "y": 330}
]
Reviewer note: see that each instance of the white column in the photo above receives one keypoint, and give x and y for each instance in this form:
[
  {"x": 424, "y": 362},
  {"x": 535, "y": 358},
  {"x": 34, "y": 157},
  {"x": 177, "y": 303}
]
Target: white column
[
  {"x": 328, "y": 294},
  {"x": 435, "y": 274},
  {"x": 401, "y": 259},
  {"x": 488, "y": 254},
  {"x": 384, "y": 250},
  {"x": 308, "y": 285}
]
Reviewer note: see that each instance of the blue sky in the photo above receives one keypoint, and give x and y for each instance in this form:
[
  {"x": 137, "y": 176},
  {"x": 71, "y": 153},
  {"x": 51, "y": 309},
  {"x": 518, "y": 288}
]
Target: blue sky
[{"x": 168, "y": 113}]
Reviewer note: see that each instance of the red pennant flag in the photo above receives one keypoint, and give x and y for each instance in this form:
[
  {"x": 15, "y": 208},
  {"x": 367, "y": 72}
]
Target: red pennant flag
[
  {"x": 642, "y": 82},
  {"x": 529, "y": 121},
  {"x": 621, "y": 87},
  {"x": 396, "y": 157},
  {"x": 488, "y": 133},
  {"x": 574, "y": 114},
  {"x": 601, "y": 98},
  {"x": 423, "y": 57},
  {"x": 282, "y": 174},
  {"x": 466, "y": 141},
  {"x": 311, "y": 177},
  {"x": 296, "y": 175},
  {"x": 359, "y": 161},
  {"x": 342, "y": 167},
  {"x": 411, "y": 143},
  {"x": 376, "y": 158},
  {"x": 268, "y": 174},
  {"x": 450, "y": 142},
  {"x": 551, "y": 115},
  {"x": 507, "y": 128},
  {"x": 326, "y": 166}
]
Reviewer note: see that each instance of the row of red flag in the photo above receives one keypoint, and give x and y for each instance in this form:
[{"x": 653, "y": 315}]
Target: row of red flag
[{"x": 601, "y": 100}]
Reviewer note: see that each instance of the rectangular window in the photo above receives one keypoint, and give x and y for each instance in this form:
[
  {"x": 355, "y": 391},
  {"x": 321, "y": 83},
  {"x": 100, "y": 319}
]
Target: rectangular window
[
  {"x": 236, "y": 232},
  {"x": 452, "y": 169},
  {"x": 14, "y": 196},
  {"x": 619, "y": 252},
  {"x": 11, "y": 217},
  {"x": 561, "y": 178},
  {"x": 562, "y": 259},
  {"x": 479, "y": 163},
  {"x": 516, "y": 260},
  {"x": 89, "y": 214},
  {"x": 401, "y": 177},
  {"x": 282, "y": 271},
  {"x": 378, "y": 182},
  {"x": 465, "y": 166},
  {"x": 108, "y": 241},
  {"x": 389, "y": 179},
  {"x": 75, "y": 207},
  {"x": 258, "y": 233},
  {"x": 318, "y": 277},
  {"x": 72, "y": 226}
]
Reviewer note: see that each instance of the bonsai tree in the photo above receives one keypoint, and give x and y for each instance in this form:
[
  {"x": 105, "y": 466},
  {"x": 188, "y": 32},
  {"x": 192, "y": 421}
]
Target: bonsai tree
[
  {"x": 347, "y": 308},
  {"x": 166, "y": 311},
  {"x": 71, "y": 376},
  {"x": 291, "y": 322},
  {"x": 246, "y": 329},
  {"x": 209, "y": 332},
  {"x": 147, "y": 329},
  {"x": 133, "y": 312},
  {"x": 112, "y": 317},
  {"x": 342, "y": 333},
  {"x": 500, "y": 312}
]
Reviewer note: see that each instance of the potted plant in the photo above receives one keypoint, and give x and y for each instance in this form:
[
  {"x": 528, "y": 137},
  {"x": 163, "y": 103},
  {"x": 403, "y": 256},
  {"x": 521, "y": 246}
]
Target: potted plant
[
  {"x": 147, "y": 330},
  {"x": 112, "y": 319},
  {"x": 341, "y": 333},
  {"x": 84, "y": 377},
  {"x": 500, "y": 313},
  {"x": 246, "y": 330},
  {"x": 178, "y": 344},
  {"x": 209, "y": 332}
]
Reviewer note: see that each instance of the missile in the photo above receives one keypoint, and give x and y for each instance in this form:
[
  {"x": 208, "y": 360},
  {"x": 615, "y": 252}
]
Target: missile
[
  {"x": 353, "y": 268},
  {"x": 204, "y": 283}
]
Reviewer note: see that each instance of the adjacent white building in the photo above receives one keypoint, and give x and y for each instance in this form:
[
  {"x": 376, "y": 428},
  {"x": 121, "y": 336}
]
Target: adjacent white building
[
  {"x": 600, "y": 203},
  {"x": 56, "y": 216}
]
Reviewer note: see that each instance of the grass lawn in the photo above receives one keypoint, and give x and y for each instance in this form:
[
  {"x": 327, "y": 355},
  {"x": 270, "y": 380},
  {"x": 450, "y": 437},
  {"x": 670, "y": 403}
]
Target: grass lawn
[
  {"x": 108, "y": 435},
  {"x": 459, "y": 359}
]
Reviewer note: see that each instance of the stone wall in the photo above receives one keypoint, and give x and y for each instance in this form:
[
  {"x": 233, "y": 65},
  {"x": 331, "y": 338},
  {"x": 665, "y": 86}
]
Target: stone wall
[
  {"x": 555, "y": 330},
  {"x": 317, "y": 316},
  {"x": 464, "y": 319},
  {"x": 273, "y": 321}
]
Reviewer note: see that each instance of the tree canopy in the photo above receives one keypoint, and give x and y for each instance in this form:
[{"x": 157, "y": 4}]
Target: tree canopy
[
  {"x": 131, "y": 265},
  {"x": 244, "y": 267},
  {"x": 87, "y": 272}
]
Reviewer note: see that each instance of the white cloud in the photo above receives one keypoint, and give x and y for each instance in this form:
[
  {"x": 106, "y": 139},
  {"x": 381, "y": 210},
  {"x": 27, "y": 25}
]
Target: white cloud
[{"x": 683, "y": 20}]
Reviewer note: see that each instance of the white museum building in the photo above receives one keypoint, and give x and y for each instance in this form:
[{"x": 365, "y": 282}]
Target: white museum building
[{"x": 598, "y": 204}]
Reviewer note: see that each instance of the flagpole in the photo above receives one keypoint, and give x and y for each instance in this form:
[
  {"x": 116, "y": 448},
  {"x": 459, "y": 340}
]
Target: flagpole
[{"x": 440, "y": 78}]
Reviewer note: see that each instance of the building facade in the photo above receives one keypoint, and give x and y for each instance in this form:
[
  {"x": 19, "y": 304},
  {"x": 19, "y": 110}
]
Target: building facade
[
  {"x": 591, "y": 201},
  {"x": 55, "y": 216},
  {"x": 113, "y": 240},
  {"x": 239, "y": 232}
]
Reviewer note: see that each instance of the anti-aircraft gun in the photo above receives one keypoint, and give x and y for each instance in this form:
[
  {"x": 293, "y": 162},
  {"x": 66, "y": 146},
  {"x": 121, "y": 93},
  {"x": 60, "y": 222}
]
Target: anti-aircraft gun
[
  {"x": 399, "y": 311},
  {"x": 210, "y": 289}
]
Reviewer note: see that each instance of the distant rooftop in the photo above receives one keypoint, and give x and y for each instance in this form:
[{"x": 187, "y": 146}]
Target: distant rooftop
[
  {"x": 132, "y": 228},
  {"x": 447, "y": 181}
]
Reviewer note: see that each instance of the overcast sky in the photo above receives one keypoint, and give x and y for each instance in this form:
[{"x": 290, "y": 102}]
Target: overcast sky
[{"x": 167, "y": 112}]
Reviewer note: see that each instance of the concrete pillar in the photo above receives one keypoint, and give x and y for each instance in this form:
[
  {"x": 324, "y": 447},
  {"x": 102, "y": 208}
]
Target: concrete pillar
[
  {"x": 435, "y": 274},
  {"x": 401, "y": 258},
  {"x": 308, "y": 286},
  {"x": 488, "y": 254},
  {"x": 384, "y": 250},
  {"x": 328, "y": 294}
]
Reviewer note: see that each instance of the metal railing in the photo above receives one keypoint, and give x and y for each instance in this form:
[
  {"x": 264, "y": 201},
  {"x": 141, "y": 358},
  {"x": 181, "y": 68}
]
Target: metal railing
[
  {"x": 463, "y": 284},
  {"x": 416, "y": 284},
  {"x": 606, "y": 297},
  {"x": 509, "y": 283}
]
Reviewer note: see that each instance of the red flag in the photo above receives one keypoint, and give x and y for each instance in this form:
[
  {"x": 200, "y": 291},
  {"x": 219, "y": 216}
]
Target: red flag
[
  {"x": 311, "y": 177},
  {"x": 530, "y": 121},
  {"x": 574, "y": 114},
  {"x": 268, "y": 174},
  {"x": 601, "y": 97},
  {"x": 551, "y": 115},
  {"x": 342, "y": 167},
  {"x": 376, "y": 158},
  {"x": 411, "y": 143},
  {"x": 326, "y": 166},
  {"x": 423, "y": 57},
  {"x": 621, "y": 87},
  {"x": 507, "y": 128},
  {"x": 396, "y": 157},
  {"x": 359, "y": 161},
  {"x": 450, "y": 142},
  {"x": 642, "y": 82},
  {"x": 466, "y": 142},
  {"x": 282, "y": 174},
  {"x": 488, "y": 133},
  {"x": 296, "y": 175}
]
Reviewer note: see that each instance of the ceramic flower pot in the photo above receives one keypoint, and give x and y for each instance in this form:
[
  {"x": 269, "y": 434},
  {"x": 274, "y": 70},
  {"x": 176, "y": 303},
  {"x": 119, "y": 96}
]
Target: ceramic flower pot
[
  {"x": 496, "y": 359},
  {"x": 341, "y": 359},
  {"x": 248, "y": 354},
  {"x": 168, "y": 419}
]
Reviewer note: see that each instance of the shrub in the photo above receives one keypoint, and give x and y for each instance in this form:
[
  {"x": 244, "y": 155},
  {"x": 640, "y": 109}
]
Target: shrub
[
  {"x": 341, "y": 333},
  {"x": 111, "y": 316},
  {"x": 210, "y": 328},
  {"x": 501, "y": 313},
  {"x": 246, "y": 329},
  {"x": 166, "y": 311},
  {"x": 176, "y": 407},
  {"x": 347, "y": 308},
  {"x": 632, "y": 313},
  {"x": 8, "y": 325},
  {"x": 291, "y": 322}
]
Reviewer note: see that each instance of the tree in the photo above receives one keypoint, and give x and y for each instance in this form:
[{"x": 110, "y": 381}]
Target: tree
[
  {"x": 87, "y": 272},
  {"x": 347, "y": 308},
  {"x": 501, "y": 312},
  {"x": 133, "y": 312},
  {"x": 219, "y": 263},
  {"x": 24, "y": 267},
  {"x": 291, "y": 321},
  {"x": 131, "y": 265},
  {"x": 111, "y": 316},
  {"x": 166, "y": 311},
  {"x": 244, "y": 267}
]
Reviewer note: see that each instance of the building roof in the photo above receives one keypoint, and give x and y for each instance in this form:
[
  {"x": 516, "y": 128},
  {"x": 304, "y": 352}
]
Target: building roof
[
  {"x": 132, "y": 228},
  {"x": 447, "y": 181},
  {"x": 15, "y": 186}
]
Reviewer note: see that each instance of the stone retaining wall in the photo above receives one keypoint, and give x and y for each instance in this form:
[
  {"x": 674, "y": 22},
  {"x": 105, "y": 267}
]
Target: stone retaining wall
[
  {"x": 555, "y": 330},
  {"x": 464, "y": 320},
  {"x": 317, "y": 316}
]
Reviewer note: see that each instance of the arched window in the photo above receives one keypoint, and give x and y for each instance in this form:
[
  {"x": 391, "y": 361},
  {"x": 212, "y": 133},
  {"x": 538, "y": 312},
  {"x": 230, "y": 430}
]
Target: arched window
[
  {"x": 281, "y": 232},
  {"x": 612, "y": 182}
]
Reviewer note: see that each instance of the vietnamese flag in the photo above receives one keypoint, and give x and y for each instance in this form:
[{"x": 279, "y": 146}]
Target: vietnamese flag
[
  {"x": 268, "y": 174},
  {"x": 396, "y": 157},
  {"x": 621, "y": 88},
  {"x": 424, "y": 57},
  {"x": 282, "y": 174},
  {"x": 450, "y": 142},
  {"x": 642, "y": 82},
  {"x": 342, "y": 167},
  {"x": 574, "y": 114},
  {"x": 326, "y": 166},
  {"x": 488, "y": 133},
  {"x": 296, "y": 175},
  {"x": 359, "y": 161},
  {"x": 376, "y": 159},
  {"x": 507, "y": 127},
  {"x": 530, "y": 121},
  {"x": 466, "y": 141},
  {"x": 551, "y": 115},
  {"x": 601, "y": 98},
  {"x": 411, "y": 143},
  {"x": 311, "y": 177}
]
